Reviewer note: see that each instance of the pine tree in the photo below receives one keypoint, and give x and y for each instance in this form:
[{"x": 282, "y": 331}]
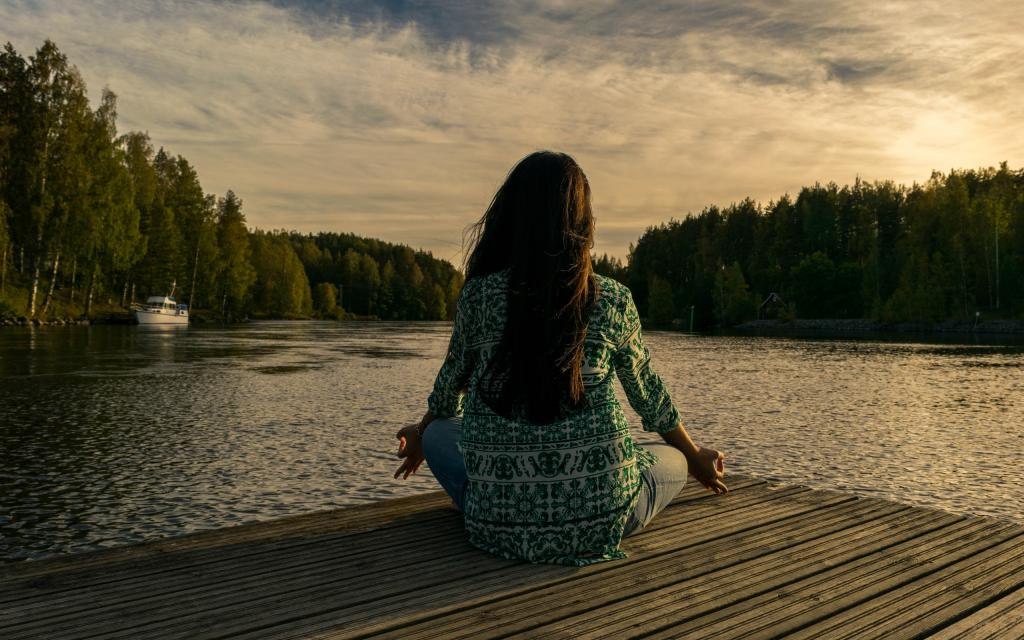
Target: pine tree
[
  {"x": 660, "y": 308},
  {"x": 325, "y": 300},
  {"x": 236, "y": 274}
]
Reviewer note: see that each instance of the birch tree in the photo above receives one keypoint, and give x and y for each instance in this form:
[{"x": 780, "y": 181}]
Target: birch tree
[{"x": 57, "y": 96}]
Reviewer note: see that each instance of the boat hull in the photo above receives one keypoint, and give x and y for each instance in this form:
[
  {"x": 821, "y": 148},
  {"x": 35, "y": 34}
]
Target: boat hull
[{"x": 159, "y": 316}]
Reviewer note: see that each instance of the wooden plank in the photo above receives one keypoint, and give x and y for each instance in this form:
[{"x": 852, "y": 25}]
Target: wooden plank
[
  {"x": 446, "y": 544},
  {"x": 290, "y": 582},
  {"x": 928, "y": 604},
  {"x": 707, "y": 591},
  {"x": 349, "y": 547},
  {"x": 992, "y": 575},
  {"x": 440, "y": 536},
  {"x": 374, "y": 585},
  {"x": 25, "y": 579},
  {"x": 246, "y": 607},
  {"x": 756, "y": 563},
  {"x": 843, "y": 588},
  {"x": 724, "y": 549},
  {"x": 354, "y": 519},
  {"x": 1014, "y": 630},
  {"x": 605, "y": 594},
  {"x": 283, "y": 538},
  {"x": 1003, "y": 618}
]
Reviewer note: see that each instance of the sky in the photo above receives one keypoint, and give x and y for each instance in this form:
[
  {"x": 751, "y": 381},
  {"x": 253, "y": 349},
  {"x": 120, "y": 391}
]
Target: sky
[{"x": 399, "y": 120}]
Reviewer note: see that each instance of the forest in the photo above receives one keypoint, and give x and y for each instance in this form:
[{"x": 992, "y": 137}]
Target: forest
[
  {"x": 949, "y": 249},
  {"x": 91, "y": 220}
]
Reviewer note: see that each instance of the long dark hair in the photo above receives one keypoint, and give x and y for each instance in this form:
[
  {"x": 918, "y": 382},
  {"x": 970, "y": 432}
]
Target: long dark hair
[{"x": 540, "y": 227}]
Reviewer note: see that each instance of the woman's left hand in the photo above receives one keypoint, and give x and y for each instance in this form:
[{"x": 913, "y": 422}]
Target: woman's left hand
[{"x": 410, "y": 447}]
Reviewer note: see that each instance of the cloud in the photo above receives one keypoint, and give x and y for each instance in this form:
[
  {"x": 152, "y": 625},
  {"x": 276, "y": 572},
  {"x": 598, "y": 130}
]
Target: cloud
[{"x": 398, "y": 120}]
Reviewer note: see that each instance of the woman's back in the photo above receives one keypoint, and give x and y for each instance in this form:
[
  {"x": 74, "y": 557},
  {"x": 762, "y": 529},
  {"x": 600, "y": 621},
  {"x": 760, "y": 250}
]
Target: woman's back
[
  {"x": 541, "y": 461},
  {"x": 562, "y": 491}
]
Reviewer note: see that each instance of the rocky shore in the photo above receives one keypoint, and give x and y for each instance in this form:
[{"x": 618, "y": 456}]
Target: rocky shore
[
  {"x": 22, "y": 321},
  {"x": 114, "y": 317},
  {"x": 862, "y": 326}
]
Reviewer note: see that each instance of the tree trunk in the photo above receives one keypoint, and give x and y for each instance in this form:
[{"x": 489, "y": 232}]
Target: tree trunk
[
  {"x": 39, "y": 232},
  {"x": 53, "y": 281},
  {"x": 124, "y": 292},
  {"x": 997, "y": 267},
  {"x": 21, "y": 268},
  {"x": 224, "y": 309},
  {"x": 963, "y": 282},
  {"x": 3, "y": 271},
  {"x": 89, "y": 292},
  {"x": 133, "y": 294},
  {"x": 192, "y": 288},
  {"x": 74, "y": 277},
  {"x": 35, "y": 288},
  {"x": 988, "y": 277}
]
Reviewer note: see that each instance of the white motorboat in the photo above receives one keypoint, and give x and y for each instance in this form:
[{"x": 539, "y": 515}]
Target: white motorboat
[{"x": 161, "y": 310}]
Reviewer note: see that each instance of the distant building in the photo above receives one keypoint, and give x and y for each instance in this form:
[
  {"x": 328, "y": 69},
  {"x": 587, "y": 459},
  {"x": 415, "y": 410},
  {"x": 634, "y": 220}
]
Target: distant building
[{"x": 771, "y": 307}]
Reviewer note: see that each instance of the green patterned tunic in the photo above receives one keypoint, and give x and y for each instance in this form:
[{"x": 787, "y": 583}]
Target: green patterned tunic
[{"x": 561, "y": 492}]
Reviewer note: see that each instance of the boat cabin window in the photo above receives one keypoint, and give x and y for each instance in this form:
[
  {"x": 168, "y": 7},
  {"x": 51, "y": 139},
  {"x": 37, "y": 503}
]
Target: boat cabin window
[{"x": 161, "y": 305}]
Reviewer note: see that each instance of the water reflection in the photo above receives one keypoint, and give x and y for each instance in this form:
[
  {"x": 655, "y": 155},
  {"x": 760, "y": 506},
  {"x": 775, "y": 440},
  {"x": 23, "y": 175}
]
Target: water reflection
[{"x": 114, "y": 434}]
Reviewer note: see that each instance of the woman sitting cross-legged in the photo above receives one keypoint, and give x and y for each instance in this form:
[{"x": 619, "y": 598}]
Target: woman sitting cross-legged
[{"x": 524, "y": 430}]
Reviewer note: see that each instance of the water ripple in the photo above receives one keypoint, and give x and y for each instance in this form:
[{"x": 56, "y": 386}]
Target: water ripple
[{"x": 111, "y": 435}]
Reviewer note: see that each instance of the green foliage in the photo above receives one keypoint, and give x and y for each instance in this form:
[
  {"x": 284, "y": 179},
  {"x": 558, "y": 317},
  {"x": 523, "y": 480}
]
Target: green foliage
[
  {"x": 733, "y": 300},
  {"x": 788, "y": 312},
  {"x": 941, "y": 250},
  {"x": 90, "y": 214},
  {"x": 611, "y": 267},
  {"x": 236, "y": 274},
  {"x": 820, "y": 289},
  {"x": 378, "y": 279},
  {"x": 85, "y": 213},
  {"x": 5, "y": 245},
  {"x": 281, "y": 288},
  {"x": 325, "y": 301},
  {"x": 811, "y": 282},
  {"x": 659, "y": 307},
  {"x": 921, "y": 295},
  {"x": 436, "y": 303}
]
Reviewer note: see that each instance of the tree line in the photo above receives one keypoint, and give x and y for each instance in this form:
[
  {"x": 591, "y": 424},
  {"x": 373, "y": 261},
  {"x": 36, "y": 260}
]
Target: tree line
[
  {"x": 947, "y": 249},
  {"x": 91, "y": 216},
  {"x": 88, "y": 215}
]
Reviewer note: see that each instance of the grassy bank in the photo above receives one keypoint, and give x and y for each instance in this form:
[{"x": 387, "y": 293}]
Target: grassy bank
[
  {"x": 63, "y": 308},
  {"x": 67, "y": 310}
]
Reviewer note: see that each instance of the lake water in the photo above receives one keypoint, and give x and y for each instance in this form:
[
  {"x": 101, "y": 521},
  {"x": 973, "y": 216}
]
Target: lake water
[{"x": 113, "y": 434}]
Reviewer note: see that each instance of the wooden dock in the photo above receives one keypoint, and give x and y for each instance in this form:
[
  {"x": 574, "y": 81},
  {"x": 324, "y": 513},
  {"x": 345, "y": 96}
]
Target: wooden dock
[{"x": 756, "y": 563}]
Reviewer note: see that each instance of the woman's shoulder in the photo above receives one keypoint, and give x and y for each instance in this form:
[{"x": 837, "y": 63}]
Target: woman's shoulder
[
  {"x": 612, "y": 292},
  {"x": 485, "y": 284},
  {"x": 613, "y": 312}
]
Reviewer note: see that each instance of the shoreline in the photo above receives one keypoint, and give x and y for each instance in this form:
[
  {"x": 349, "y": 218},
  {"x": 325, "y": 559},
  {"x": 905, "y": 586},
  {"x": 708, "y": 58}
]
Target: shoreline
[
  {"x": 832, "y": 328},
  {"x": 126, "y": 319},
  {"x": 22, "y": 321},
  {"x": 872, "y": 328}
]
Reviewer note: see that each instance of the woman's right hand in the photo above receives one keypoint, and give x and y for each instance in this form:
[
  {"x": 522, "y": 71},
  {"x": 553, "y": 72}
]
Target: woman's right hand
[
  {"x": 410, "y": 447},
  {"x": 708, "y": 468}
]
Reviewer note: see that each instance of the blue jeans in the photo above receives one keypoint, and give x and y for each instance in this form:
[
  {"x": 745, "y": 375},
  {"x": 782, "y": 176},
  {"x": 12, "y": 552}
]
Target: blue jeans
[{"x": 660, "y": 484}]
